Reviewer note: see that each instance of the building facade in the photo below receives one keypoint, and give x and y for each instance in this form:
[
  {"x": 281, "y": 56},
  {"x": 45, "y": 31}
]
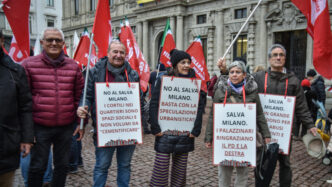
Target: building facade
[
  {"x": 215, "y": 21},
  {"x": 42, "y": 14}
]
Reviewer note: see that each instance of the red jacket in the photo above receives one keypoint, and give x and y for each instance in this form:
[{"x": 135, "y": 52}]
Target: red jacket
[{"x": 56, "y": 87}]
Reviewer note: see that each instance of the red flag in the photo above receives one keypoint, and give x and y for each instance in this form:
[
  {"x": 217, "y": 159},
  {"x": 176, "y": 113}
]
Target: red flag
[
  {"x": 318, "y": 20},
  {"x": 17, "y": 13},
  {"x": 195, "y": 50},
  {"x": 167, "y": 45},
  {"x": 82, "y": 51},
  {"x": 102, "y": 28},
  {"x": 65, "y": 49},
  {"x": 135, "y": 56},
  {"x": 14, "y": 52}
]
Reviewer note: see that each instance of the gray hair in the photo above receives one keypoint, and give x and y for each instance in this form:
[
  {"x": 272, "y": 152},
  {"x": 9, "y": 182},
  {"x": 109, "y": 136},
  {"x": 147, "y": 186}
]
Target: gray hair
[
  {"x": 53, "y": 29},
  {"x": 116, "y": 41},
  {"x": 269, "y": 53},
  {"x": 239, "y": 64}
]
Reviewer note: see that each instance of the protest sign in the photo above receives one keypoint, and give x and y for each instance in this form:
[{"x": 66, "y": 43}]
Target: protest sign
[
  {"x": 279, "y": 112},
  {"x": 178, "y": 104},
  {"x": 234, "y": 134},
  {"x": 118, "y": 114}
]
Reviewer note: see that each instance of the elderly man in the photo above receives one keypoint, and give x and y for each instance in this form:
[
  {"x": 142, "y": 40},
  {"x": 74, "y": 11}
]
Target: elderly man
[
  {"x": 114, "y": 68},
  {"x": 56, "y": 84},
  {"x": 16, "y": 124},
  {"x": 278, "y": 80}
]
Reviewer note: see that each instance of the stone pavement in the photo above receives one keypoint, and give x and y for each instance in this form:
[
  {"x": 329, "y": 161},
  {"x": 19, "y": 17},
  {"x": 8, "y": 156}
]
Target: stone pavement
[{"x": 307, "y": 171}]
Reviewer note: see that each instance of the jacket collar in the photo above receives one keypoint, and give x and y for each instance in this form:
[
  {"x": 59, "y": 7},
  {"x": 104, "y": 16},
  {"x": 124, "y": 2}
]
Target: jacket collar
[{"x": 54, "y": 62}]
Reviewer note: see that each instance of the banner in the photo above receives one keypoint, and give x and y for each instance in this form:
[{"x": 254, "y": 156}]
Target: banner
[
  {"x": 195, "y": 50},
  {"x": 118, "y": 114},
  {"x": 279, "y": 112},
  {"x": 234, "y": 134},
  {"x": 14, "y": 52},
  {"x": 167, "y": 44},
  {"x": 178, "y": 104}
]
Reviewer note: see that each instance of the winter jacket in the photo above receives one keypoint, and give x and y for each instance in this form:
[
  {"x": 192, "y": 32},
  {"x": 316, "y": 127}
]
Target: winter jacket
[
  {"x": 16, "y": 124},
  {"x": 56, "y": 89},
  {"x": 318, "y": 86},
  {"x": 98, "y": 74},
  {"x": 251, "y": 91},
  {"x": 276, "y": 84},
  {"x": 172, "y": 143}
]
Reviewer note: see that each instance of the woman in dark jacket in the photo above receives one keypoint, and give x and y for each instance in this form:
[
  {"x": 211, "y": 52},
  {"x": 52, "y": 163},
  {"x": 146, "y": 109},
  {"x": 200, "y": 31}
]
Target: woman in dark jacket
[
  {"x": 166, "y": 144},
  {"x": 233, "y": 84}
]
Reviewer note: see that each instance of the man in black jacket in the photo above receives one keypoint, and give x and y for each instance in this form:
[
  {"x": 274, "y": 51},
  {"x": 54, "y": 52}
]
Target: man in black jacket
[{"x": 16, "y": 125}]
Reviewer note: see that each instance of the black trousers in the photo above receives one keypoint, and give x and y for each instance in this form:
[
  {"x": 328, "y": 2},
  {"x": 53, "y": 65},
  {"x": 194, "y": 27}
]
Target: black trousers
[{"x": 60, "y": 138}]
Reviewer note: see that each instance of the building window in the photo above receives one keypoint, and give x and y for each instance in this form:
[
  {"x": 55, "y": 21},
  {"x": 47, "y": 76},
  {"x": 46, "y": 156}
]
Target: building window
[
  {"x": 92, "y": 5},
  {"x": 204, "y": 44},
  {"x": 77, "y": 7},
  {"x": 50, "y": 3},
  {"x": 201, "y": 19},
  {"x": 50, "y": 22},
  {"x": 240, "y": 47},
  {"x": 30, "y": 25},
  {"x": 133, "y": 28},
  {"x": 111, "y": 3},
  {"x": 240, "y": 13}
]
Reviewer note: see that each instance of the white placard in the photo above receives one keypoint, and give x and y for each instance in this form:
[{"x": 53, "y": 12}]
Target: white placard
[
  {"x": 234, "y": 134},
  {"x": 118, "y": 114},
  {"x": 279, "y": 112},
  {"x": 178, "y": 103}
]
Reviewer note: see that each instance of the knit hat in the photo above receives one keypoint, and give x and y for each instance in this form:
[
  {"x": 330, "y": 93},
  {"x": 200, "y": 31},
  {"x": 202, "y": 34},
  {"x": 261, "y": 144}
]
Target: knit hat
[
  {"x": 177, "y": 56},
  {"x": 305, "y": 83},
  {"x": 311, "y": 73},
  {"x": 238, "y": 64}
]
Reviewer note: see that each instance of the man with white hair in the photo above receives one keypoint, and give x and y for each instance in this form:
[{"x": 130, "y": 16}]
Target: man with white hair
[{"x": 56, "y": 84}]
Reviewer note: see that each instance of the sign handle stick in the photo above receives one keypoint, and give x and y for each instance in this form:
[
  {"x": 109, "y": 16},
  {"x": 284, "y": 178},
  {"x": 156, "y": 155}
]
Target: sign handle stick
[
  {"x": 86, "y": 78},
  {"x": 244, "y": 24}
]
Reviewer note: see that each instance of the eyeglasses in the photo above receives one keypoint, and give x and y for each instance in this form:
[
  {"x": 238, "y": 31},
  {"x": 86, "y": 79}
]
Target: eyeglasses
[
  {"x": 278, "y": 54},
  {"x": 50, "y": 40}
]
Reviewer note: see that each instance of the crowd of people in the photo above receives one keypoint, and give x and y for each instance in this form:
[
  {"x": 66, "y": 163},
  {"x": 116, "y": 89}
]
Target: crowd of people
[{"x": 44, "y": 106}]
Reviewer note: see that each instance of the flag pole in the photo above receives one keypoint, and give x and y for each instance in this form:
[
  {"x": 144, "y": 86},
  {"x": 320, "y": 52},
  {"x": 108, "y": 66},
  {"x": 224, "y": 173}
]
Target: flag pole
[
  {"x": 244, "y": 24},
  {"x": 86, "y": 78}
]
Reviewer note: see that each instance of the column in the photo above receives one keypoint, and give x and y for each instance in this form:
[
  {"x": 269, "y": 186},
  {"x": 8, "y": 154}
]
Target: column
[
  {"x": 263, "y": 35},
  {"x": 145, "y": 40},
  {"x": 139, "y": 34},
  {"x": 309, "y": 64},
  {"x": 172, "y": 24},
  {"x": 179, "y": 32},
  {"x": 219, "y": 38}
]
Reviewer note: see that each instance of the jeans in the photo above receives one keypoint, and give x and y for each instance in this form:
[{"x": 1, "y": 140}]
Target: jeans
[
  {"x": 25, "y": 163},
  {"x": 60, "y": 137},
  {"x": 225, "y": 176},
  {"x": 103, "y": 162},
  {"x": 75, "y": 153}
]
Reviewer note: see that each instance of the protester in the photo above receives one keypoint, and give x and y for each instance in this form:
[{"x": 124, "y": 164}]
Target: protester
[
  {"x": 118, "y": 70},
  {"x": 75, "y": 159},
  {"x": 56, "y": 85},
  {"x": 233, "y": 84},
  {"x": 317, "y": 85},
  {"x": 211, "y": 85},
  {"x": 278, "y": 80},
  {"x": 310, "y": 96},
  {"x": 172, "y": 145},
  {"x": 16, "y": 124}
]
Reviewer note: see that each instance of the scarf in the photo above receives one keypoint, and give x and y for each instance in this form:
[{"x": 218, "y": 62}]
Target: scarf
[
  {"x": 117, "y": 72},
  {"x": 237, "y": 87},
  {"x": 57, "y": 61}
]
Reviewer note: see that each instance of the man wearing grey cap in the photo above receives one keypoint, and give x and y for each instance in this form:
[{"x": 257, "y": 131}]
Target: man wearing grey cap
[{"x": 274, "y": 81}]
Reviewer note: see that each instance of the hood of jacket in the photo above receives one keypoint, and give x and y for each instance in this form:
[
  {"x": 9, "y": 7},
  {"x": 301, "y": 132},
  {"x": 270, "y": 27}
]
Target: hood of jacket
[{"x": 250, "y": 86}]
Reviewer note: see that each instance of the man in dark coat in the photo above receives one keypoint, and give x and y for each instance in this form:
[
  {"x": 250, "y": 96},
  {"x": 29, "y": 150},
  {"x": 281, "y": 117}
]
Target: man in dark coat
[
  {"x": 16, "y": 124},
  {"x": 278, "y": 80},
  {"x": 112, "y": 68},
  {"x": 317, "y": 85}
]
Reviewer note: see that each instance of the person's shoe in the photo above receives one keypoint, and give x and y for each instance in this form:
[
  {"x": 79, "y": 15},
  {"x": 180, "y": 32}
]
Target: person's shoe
[{"x": 47, "y": 184}]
